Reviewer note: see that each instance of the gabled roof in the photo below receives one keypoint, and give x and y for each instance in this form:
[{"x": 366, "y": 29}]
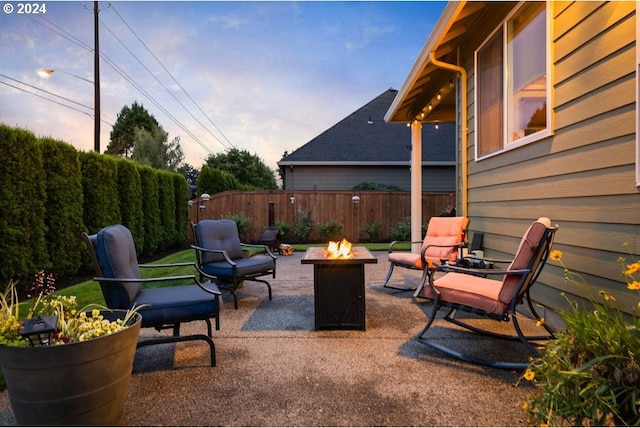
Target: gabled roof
[
  {"x": 364, "y": 138},
  {"x": 427, "y": 82}
]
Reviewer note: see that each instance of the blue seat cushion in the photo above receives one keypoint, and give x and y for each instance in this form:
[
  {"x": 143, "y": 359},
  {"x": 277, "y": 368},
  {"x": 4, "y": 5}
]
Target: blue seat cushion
[
  {"x": 260, "y": 263},
  {"x": 176, "y": 304}
]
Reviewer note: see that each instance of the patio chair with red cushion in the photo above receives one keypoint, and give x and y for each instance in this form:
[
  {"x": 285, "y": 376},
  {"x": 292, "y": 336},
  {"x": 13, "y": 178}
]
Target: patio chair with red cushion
[
  {"x": 475, "y": 291},
  {"x": 444, "y": 237}
]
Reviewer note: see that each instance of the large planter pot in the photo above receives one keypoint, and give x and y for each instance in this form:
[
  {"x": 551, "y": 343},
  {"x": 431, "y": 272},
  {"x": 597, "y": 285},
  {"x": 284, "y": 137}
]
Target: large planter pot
[{"x": 80, "y": 383}]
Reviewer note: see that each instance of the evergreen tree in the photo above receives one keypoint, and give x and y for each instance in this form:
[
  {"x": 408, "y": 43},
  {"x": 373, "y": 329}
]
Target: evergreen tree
[{"x": 248, "y": 168}]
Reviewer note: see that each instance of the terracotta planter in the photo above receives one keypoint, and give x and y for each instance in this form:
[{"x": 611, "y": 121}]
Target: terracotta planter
[{"x": 81, "y": 383}]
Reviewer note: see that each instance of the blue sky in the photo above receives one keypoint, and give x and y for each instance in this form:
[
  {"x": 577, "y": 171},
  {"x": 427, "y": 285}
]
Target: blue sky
[{"x": 269, "y": 75}]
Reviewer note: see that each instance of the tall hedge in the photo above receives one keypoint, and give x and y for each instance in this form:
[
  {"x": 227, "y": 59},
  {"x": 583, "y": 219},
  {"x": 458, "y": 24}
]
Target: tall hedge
[
  {"x": 150, "y": 208},
  {"x": 182, "y": 193},
  {"x": 22, "y": 200},
  {"x": 63, "y": 217},
  {"x": 130, "y": 190},
  {"x": 100, "y": 189},
  {"x": 167, "y": 202}
]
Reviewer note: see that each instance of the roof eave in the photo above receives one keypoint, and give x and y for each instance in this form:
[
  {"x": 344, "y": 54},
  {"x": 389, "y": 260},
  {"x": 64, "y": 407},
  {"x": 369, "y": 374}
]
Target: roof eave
[
  {"x": 446, "y": 20},
  {"x": 361, "y": 163}
]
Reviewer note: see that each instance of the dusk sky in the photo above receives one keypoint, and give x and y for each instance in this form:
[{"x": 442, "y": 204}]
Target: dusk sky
[{"x": 266, "y": 77}]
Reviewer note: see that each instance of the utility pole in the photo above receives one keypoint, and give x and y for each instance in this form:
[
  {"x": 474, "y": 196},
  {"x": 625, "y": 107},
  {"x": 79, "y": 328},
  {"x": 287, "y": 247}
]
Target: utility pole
[{"x": 96, "y": 80}]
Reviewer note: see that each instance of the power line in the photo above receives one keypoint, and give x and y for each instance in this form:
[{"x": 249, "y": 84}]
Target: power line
[
  {"x": 49, "y": 99},
  {"x": 133, "y": 83},
  {"x": 45, "y": 98},
  {"x": 177, "y": 83},
  {"x": 45, "y": 91},
  {"x": 61, "y": 32},
  {"x": 66, "y": 35},
  {"x": 155, "y": 102}
]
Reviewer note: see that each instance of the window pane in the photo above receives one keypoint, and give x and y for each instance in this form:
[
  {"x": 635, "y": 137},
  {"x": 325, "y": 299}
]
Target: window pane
[
  {"x": 489, "y": 95},
  {"x": 526, "y": 50}
]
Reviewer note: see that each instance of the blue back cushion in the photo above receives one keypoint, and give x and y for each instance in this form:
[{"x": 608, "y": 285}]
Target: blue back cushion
[
  {"x": 219, "y": 235},
  {"x": 117, "y": 257}
]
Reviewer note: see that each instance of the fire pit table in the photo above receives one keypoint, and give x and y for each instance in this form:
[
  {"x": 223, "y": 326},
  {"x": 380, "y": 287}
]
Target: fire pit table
[{"x": 338, "y": 288}]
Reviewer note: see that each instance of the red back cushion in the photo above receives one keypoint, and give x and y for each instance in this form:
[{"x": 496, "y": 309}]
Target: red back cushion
[
  {"x": 526, "y": 251},
  {"x": 445, "y": 231}
]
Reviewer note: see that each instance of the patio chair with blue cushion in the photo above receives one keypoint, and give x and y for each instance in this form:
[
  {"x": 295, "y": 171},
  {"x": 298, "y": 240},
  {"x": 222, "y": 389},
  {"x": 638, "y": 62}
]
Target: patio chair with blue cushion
[
  {"x": 444, "y": 237},
  {"x": 220, "y": 256},
  {"x": 113, "y": 253},
  {"x": 475, "y": 291}
]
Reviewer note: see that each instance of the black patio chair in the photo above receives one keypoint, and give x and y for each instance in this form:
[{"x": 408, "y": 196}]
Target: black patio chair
[
  {"x": 114, "y": 258},
  {"x": 220, "y": 257},
  {"x": 473, "y": 291}
]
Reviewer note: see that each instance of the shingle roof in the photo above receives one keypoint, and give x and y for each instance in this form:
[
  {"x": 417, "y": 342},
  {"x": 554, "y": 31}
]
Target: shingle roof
[{"x": 364, "y": 136}]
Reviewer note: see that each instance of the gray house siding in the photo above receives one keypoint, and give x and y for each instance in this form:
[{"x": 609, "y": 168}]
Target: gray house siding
[
  {"x": 362, "y": 147},
  {"x": 583, "y": 176},
  {"x": 434, "y": 178}
]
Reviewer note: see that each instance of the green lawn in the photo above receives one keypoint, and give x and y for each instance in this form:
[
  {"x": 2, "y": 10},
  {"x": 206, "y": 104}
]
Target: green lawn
[{"x": 88, "y": 292}]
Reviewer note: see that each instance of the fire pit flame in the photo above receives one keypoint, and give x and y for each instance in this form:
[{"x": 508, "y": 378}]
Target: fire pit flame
[{"x": 338, "y": 249}]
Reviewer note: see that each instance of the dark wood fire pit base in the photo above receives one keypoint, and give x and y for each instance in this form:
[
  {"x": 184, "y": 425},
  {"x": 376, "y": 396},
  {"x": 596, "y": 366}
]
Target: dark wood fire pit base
[{"x": 338, "y": 288}]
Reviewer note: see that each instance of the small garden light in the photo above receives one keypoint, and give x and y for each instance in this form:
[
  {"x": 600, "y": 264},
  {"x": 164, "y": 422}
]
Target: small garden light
[{"x": 39, "y": 330}]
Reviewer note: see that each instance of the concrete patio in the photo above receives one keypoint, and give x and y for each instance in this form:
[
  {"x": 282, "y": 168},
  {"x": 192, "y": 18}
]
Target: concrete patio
[{"x": 273, "y": 369}]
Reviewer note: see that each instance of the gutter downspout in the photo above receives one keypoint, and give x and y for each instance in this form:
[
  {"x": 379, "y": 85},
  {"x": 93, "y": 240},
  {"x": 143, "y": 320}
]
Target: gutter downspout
[{"x": 463, "y": 119}]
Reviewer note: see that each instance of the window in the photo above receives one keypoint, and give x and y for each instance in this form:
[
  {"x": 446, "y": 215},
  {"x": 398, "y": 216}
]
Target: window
[{"x": 511, "y": 80}]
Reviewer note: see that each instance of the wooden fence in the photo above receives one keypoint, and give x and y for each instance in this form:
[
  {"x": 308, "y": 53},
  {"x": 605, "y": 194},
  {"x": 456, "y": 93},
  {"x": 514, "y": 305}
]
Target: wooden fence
[{"x": 387, "y": 208}]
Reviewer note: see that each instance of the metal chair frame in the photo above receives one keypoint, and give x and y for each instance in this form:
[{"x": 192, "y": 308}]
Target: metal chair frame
[
  {"x": 169, "y": 323},
  {"x": 528, "y": 277}
]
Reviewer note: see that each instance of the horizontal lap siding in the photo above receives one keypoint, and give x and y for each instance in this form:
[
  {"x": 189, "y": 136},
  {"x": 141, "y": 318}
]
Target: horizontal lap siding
[
  {"x": 434, "y": 178},
  {"x": 582, "y": 177}
]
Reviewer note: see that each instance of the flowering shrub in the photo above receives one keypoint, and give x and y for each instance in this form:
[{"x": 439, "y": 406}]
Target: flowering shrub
[
  {"x": 590, "y": 374},
  {"x": 73, "y": 325}
]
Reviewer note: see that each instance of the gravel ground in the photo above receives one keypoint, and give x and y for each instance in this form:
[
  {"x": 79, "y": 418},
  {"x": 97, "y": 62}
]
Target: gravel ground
[{"x": 273, "y": 369}]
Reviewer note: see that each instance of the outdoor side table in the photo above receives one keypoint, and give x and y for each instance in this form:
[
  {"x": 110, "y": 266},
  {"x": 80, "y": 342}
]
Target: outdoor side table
[{"x": 338, "y": 288}]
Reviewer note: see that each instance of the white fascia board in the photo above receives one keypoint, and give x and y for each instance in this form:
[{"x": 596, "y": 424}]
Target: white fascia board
[
  {"x": 447, "y": 18},
  {"x": 362, "y": 163}
]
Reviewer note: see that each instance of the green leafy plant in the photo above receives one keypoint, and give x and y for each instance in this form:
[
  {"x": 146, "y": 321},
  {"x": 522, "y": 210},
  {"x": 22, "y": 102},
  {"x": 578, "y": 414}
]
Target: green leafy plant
[
  {"x": 283, "y": 228},
  {"x": 590, "y": 374},
  {"x": 402, "y": 230},
  {"x": 373, "y": 230},
  {"x": 304, "y": 225},
  {"x": 243, "y": 223},
  {"x": 73, "y": 325},
  {"x": 331, "y": 230}
]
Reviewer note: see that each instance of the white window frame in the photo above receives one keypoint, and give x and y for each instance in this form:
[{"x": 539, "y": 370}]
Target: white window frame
[{"x": 537, "y": 136}]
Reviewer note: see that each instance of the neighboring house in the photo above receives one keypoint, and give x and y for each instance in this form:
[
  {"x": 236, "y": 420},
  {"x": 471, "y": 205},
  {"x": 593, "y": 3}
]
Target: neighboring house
[
  {"x": 364, "y": 148},
  {"x": 544, "y": 95}
]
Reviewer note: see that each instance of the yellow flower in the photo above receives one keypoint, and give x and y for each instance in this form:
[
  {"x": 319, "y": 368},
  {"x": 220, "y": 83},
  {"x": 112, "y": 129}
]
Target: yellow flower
[
  {"x": 634, "y": 285},
  {"x": 540, "y": 322},
  {"x": 525, "y": 406},
  {"x": 544, "y": 425},
  {"x": 607, "y": 297},
  {"x": 632, "y": 268},
  {"x": 529, "y": 375},
  {"x": 556, "y": 255}
]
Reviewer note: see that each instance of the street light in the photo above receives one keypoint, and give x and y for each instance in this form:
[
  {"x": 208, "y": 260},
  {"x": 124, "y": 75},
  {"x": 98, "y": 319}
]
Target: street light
[{"x": 47, "y": 72}]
